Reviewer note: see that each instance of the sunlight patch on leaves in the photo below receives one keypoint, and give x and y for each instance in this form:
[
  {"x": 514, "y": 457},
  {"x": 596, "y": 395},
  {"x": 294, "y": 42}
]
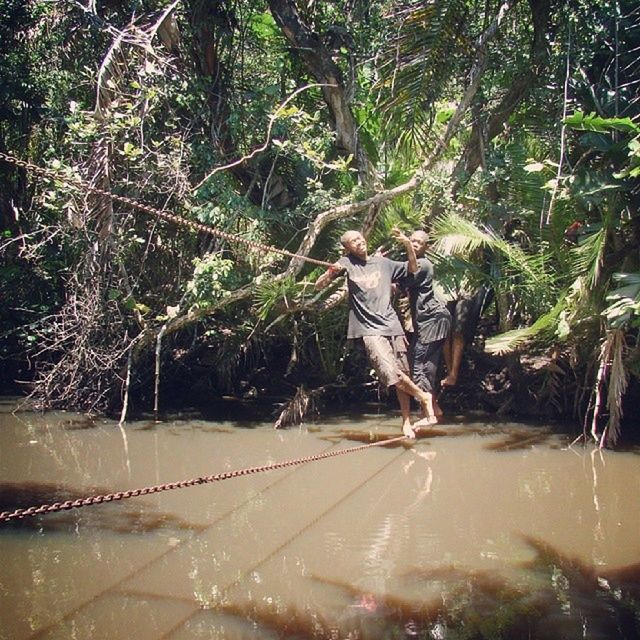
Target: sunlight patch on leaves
[{"x": 625, "y": 301}]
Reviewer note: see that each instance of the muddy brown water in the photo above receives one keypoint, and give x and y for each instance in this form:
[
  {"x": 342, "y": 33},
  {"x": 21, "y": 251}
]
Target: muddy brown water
[{"x": 474, "y": 530}]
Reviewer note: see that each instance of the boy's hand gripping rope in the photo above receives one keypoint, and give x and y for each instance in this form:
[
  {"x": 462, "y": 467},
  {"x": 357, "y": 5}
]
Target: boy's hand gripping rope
[
  {"x": 159, "y": 213},
  {"x": 7, "y": 516}
]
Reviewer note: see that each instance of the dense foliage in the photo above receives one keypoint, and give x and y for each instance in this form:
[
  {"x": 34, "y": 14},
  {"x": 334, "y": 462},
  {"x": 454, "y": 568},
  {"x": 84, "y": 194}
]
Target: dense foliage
[{"x": 510, "y": 130}]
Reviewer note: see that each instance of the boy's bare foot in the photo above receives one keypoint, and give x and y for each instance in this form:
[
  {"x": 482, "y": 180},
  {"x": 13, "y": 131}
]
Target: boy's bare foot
[
  {"x": 408, "y": 431},
  {"x": 425, "y": 422},
  {"x": 426, "y": 405},
  {"x": 449, "y": 381}
]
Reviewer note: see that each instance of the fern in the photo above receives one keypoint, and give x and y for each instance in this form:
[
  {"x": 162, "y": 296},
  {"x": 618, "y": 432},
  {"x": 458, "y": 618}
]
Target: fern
[{"x": 273, "y": 294}]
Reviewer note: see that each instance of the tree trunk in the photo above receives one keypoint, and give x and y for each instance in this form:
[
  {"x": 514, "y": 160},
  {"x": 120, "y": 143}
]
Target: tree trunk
[{"x": 317, "y": 58}]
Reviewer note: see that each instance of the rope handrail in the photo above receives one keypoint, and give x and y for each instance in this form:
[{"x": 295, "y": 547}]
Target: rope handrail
[
  {"x": 159, "y": 213},
  {"x": 7, "y": 516}
]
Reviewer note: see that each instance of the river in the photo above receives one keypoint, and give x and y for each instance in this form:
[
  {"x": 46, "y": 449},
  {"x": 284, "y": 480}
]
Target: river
[{"x": 473, "y": 530}]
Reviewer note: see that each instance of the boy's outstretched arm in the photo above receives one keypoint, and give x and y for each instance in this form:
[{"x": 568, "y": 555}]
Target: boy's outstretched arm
[{"x": 328, "y": 276}]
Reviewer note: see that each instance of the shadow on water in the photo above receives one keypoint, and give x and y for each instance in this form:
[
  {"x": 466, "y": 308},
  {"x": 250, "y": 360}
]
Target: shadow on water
[
  {"x": 364, "y": 437},
  {"x": 562, "y": 599},
  {"x": 518, "y": 439},
  {"x": 78, "y": 423},
  {"x": 120, "y": 517}
]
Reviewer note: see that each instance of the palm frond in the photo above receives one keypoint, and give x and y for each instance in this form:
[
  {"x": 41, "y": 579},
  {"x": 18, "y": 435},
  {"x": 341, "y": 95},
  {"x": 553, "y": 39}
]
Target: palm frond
[
  {"x": 587, "y": 257},
  {"x": 416, "y": 65},
  {"x": 618, "y": 381},
  {"x": 297, "y": 409},
  {"x": 513, "y": 340},
  {"x": 613, "y": 371},
  {"x": 553, "y": 383},
  {"x": 459, "y": 236},
  {"x": 398, "y": 213},
  {"x": 274, "y": 294}
]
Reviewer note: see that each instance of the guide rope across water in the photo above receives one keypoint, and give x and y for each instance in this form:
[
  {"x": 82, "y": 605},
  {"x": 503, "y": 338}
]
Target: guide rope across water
[
  {"x": 7, "y": 516},
  {"x": 159, "y": 213}
]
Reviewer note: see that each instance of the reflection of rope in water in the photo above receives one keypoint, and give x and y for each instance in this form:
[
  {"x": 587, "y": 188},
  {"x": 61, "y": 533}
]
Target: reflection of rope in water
[
  {"x": 317, "y": 519},
  {"x": 6, "y": 516}
]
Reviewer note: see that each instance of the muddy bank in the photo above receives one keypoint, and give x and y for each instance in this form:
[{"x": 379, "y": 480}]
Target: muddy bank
[{"x": 535, "y": 387}]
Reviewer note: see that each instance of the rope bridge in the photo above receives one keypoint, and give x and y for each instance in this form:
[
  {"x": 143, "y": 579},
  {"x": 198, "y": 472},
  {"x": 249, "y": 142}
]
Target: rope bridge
[{"x": 7, "y": 516}]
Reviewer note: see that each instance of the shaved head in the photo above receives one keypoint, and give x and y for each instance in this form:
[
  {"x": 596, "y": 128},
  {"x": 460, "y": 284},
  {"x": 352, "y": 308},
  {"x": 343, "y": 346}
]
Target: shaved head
[
  {"x": 347, "y": 236},
  {"x": 423, "y": 236},
  {"x": 419, "y": 241},
  {"x": 354, "y": 244}
]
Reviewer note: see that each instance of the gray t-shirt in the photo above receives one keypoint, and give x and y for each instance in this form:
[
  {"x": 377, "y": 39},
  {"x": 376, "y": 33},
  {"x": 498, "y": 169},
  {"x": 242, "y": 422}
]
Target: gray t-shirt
[
  {"x": 431, "y": 318},
  {"x": 369, "y": 282}
]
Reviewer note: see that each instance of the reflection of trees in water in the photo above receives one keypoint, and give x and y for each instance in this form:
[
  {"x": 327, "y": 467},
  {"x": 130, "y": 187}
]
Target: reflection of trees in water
[
  {"x": 120, "y": 517},
  {"x": 558, "y": 598},
  {"x": 515, "y": 439},
  {"x": 584, "y": 601}
]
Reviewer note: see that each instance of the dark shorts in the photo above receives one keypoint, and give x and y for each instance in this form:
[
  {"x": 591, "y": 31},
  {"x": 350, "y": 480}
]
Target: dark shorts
[
  {"x": 465, "y": 313},
  {"x": 388, "y": 356},
  {"x": 424, "y": 358}
]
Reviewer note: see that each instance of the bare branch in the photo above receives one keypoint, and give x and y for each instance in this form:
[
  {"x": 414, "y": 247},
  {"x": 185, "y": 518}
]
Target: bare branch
[{"x": 262, "y": 147}]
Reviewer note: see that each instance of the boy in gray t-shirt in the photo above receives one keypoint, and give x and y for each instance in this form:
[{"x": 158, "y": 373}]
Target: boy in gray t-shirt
[{"x": 373, "y": 319}]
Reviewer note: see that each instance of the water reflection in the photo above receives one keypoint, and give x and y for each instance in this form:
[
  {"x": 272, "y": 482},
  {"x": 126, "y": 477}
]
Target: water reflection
[
  {"x": 471, "y": 531},
  {"x": 121, "y": 517}
]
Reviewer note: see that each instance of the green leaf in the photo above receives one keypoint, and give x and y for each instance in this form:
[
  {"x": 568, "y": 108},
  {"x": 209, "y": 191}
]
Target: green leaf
[
  {"x": 264, "y": 26},
  {"x": 594, "y": 122}
]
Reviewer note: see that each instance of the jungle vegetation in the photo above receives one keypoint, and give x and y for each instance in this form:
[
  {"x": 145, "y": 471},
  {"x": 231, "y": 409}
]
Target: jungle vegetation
[{"x": 509, "y": 129}]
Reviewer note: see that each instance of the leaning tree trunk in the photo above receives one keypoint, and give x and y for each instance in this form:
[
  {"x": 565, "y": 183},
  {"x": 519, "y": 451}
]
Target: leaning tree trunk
[{"x": 324, "y": 70}]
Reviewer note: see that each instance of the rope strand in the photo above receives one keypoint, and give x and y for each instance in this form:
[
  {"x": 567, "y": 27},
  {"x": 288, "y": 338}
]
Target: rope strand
[
  {"x": 159, "y": 213},
  {"x": 7, "y": 516}
]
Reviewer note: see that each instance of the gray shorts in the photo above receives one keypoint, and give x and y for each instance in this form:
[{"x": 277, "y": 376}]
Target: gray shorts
[{"x": 388, "y": 356}]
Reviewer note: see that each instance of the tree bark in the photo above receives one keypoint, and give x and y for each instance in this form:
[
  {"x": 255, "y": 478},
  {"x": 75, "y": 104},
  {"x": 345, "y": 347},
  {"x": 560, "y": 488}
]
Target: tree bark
[{"x": 317, "y": 58}]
